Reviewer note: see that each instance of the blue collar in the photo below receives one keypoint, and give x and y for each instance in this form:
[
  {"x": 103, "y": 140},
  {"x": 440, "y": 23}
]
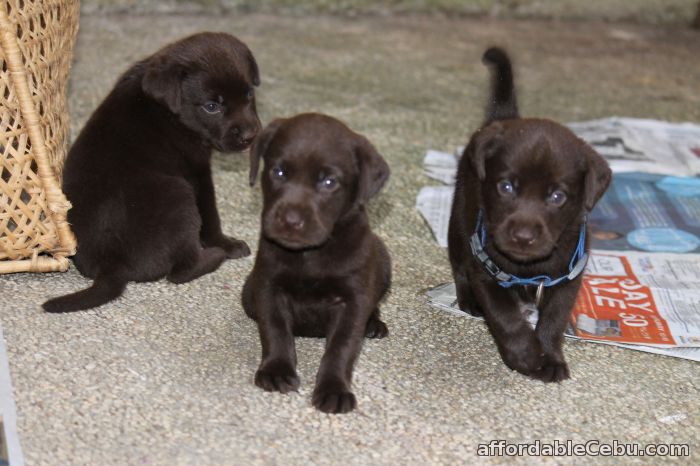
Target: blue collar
[{"x": 506, "y": 280}]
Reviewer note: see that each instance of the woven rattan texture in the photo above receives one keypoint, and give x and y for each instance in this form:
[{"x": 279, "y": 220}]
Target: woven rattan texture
[{"x": 36, "y": 42}]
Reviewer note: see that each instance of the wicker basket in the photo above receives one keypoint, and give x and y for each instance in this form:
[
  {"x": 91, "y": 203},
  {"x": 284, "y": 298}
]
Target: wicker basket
[{"x": 36, "y": 43}]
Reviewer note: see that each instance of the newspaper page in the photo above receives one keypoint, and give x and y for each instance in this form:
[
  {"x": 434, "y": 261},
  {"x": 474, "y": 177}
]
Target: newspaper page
[
  {"x": 637, "y": 298},
  {"x": 10, "y": 451},
  {"x": 641, "y": 289},
  {"x": 639, "y": 145},
  {"x": 628, "y": 144},
  {"x": 639, "y": 212},
  {"x": 444, "y": 297},
  {"x": 435, "y": 203},
  {"x": 648, "y": 212}
]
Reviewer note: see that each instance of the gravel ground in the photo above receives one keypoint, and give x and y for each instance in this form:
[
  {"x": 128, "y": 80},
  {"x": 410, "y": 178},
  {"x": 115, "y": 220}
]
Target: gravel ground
[{"x": 164, "y": 374}]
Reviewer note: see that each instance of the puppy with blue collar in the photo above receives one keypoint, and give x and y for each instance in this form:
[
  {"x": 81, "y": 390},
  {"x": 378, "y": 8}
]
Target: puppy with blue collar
[{"x": 517, "y": 234}]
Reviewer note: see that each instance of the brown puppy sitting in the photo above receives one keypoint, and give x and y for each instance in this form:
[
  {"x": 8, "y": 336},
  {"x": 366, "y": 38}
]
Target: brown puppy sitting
[
  {"x": 517, "y": 231},
  {"x": 139, "y": 175},
  {"x": 319, "y": 271}
]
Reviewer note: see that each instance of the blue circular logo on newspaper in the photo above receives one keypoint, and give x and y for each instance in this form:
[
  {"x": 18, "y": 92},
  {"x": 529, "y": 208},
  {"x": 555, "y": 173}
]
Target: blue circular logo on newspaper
[
  {"x": 663, "y": 240},
  {"x": 679, "y": 186}
]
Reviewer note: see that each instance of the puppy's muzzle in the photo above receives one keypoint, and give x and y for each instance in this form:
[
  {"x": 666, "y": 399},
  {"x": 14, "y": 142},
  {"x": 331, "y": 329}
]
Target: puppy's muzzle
[
  {"x": 290, "y": 220},
  {"x": 245, "y": 135},
  {"x": 239, "y": 137},
  {"x": 524, "y": 239},
  {"x": 525, "y": 235},
  {"x": 295, "y": 227}
]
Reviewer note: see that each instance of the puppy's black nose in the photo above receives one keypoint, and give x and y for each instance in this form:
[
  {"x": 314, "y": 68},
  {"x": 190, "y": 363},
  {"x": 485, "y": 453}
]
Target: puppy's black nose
[
  {"x": 245, "y": 136},
  {"x": 292, "y": 219},
  {"x": 524, "y": 235}
]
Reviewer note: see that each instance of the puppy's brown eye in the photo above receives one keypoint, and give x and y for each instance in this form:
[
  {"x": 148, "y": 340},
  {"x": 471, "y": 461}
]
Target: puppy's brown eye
[
  {"x": 328, "y": 183},
  {"x": 557, "y": 198},
  {"x": 212, "y": 107},
  {"x": 277, "y": 173},
  {"x": 250, "y": 93},
  {"x": 505, "y": 188}
]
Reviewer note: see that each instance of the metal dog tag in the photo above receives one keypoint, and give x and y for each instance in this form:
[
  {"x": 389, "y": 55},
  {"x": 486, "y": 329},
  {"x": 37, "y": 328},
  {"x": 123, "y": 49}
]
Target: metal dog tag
[{"x": 539, "y": 295}]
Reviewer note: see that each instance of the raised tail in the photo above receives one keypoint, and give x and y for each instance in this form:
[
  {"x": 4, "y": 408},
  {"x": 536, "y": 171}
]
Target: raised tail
[
  {"x": 104, "y": 289},
  {"x": 502, "y": 103}
]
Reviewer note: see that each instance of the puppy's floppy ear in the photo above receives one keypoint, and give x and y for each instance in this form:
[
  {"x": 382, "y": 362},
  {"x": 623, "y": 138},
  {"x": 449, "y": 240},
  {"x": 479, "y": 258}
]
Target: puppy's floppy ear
[
  {"x": 485, "y": 143},
  {"x": 374, "y": 171},
  {"x": 163, "y": 81},
  {"x": 260, "y": 146},
  {"x": 597, "y": 179},
  {"x": 253, "y": 67}
]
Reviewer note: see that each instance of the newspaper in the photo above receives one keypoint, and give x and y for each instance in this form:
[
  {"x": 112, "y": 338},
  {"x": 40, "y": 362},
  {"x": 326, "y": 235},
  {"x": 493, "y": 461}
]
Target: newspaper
[
  {"x": 434, "y": 203},
  {"x": 648, "y": 212},
  {"x": 444, "y": 297},
  {"x": 628, "y": 144},
  {"x": 638, "y": 145},
  {"x": 639, "y": 212},
  {"x": 641, "y": 289},
  {"x": 10, "y": 450}
]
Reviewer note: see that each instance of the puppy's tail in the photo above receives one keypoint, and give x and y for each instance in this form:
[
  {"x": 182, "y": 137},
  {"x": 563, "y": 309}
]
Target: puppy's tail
[
  {"x": 105, "y": 288},
  {"x": 502, "y": 104}
]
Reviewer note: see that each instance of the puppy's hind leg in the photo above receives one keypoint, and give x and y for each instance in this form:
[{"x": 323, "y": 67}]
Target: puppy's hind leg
[
  {"x": 375, "y": 328},
  {"x": 195, "y": 264}
]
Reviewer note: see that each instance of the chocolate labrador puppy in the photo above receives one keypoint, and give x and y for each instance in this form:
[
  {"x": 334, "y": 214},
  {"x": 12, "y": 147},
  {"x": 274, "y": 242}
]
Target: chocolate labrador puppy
[
  {"x": 139, "y": 174},
  {"x": 319, "y": 271},
  {"x": 517, "y": 233}
]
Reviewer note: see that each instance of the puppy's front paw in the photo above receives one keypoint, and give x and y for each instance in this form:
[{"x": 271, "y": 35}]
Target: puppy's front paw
[
  {"x": 475, "y": 311},
  {"x": 376, "y": 329},
  {"x": 235, "y": 248},
  {"x": 333, "y": 398},
  {"x": 277, "y": 377},
  {"x": 524, "y": 355},
  {"x": 552, "y": 371}
]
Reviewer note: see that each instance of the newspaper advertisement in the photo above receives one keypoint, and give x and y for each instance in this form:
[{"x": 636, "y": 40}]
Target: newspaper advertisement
[
  {"x": 641, "y": 288},
  {"x": 10, "y": 451}
]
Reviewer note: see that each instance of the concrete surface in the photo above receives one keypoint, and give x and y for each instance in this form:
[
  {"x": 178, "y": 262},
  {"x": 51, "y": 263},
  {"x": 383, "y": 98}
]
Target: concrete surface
[{"x": 164, "y": 375}]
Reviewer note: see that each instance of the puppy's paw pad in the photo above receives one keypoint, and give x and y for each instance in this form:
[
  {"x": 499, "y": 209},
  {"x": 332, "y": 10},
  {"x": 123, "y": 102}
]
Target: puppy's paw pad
[
  {"x": 277, "y": 382},
  {"x": 334, "y": 402},
  {"x": 552, "y": 371},
  {"x": 376, "y": 329}
]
